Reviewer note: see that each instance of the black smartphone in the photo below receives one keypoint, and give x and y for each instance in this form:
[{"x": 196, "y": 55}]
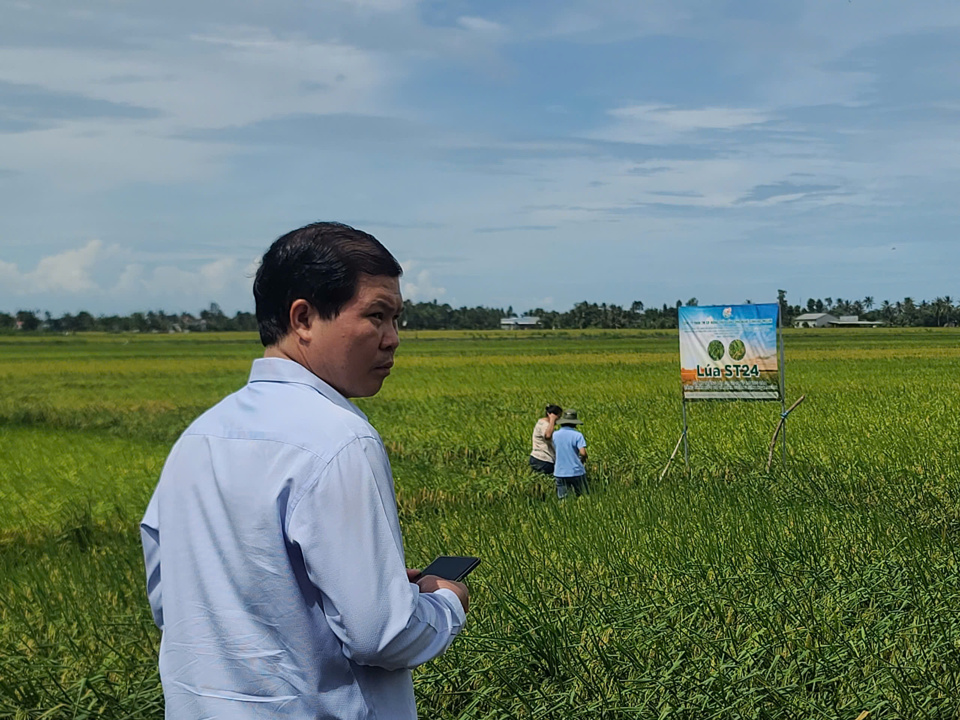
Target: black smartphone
[{"x": 451, "y": 567}]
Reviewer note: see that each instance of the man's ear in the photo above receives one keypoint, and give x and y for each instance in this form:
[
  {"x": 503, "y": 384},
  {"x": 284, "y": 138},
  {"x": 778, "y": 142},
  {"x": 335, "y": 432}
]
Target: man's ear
[{"x": 302, "y": 314}]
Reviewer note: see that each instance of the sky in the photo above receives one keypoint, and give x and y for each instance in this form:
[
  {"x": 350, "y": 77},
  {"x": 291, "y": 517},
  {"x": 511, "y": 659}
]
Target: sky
[{"x": 524, "y": 154}]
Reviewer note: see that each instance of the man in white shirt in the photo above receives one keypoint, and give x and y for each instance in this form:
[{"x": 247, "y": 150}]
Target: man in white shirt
[{"x": 275, "y": 564}]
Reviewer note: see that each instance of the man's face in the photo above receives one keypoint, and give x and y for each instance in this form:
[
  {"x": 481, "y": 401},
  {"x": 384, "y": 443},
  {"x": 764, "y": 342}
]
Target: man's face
[{"x": 353, "y": 352}]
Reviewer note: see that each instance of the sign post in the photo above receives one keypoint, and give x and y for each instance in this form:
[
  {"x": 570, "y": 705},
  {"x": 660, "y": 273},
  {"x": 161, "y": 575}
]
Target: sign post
[
  {"x": 783, "y": 395},
  {"x": 731, "y": 352}
]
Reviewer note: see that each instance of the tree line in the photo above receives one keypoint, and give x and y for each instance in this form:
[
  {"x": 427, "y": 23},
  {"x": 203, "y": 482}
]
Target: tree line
[
  {"x": 213, "y": 319},
  {"x": 432, "y": 315}
]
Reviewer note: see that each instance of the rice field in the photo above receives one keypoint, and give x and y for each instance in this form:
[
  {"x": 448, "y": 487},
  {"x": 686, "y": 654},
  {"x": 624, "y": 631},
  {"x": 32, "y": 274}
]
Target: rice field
[{"x": 822, "y": 588}]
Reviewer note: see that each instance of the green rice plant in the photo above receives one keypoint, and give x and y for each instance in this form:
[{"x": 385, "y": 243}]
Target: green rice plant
[
  {"x": 820, "y": 589},
  {"x": 737, "y": 349}
]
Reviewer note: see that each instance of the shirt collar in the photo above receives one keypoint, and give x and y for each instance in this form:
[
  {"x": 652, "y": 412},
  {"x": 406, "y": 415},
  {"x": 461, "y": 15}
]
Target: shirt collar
[{"x": 274, "y": 369}]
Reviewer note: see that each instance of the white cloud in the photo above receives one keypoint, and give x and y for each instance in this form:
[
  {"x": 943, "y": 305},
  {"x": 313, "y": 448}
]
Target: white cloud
[
  {"x": 219, "y": 273},
  {"x": 66, "y": 272},
  {"x": 384, "y": 6},
  {"x": 232, "y": 78},
  {"x": 745, "y": 104},
  {"x": 420, "y": 287},
  {"x": 205, "y": 283},
  {"x": 832, "y": 29},
  {"x": 90, "y": 155},
  {"x": 711, "y": 118},
  {"x": 108, "y": 273},
  {"x": 10, "y": 277},
  {"x": 602, "y": 22},
  {"x": 663, "y": 124},
  {"x": 478, "y": 24},
  {"x": 130, "y": 279}
]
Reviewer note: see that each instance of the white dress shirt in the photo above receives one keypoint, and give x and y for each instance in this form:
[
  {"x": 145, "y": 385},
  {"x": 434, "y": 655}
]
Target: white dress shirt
[{"x": 275, "y": 565}]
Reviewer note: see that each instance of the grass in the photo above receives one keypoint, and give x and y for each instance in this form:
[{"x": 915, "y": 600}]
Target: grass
[{"x": 820, "y": 589}]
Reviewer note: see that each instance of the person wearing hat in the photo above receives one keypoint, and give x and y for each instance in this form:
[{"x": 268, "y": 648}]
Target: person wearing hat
[
  {"x": 571, "y": 453},
  {"x": 542, "y": 456}
]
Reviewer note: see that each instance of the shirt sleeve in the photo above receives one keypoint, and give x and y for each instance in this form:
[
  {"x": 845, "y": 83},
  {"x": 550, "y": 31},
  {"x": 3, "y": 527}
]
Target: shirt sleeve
[
  {"x": 581, "y": 441},
  {"x": 150, "y": 538},
  {"x": 347, "y": 529}
]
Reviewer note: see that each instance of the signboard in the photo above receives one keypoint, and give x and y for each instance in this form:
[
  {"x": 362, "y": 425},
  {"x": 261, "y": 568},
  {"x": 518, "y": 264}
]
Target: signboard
[{"x": 729, "y": 352}]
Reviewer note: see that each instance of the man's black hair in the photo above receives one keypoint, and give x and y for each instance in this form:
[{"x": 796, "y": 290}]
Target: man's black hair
[
  {"x": 554, "y": 409},
  {"x": 319, "y": 263}
]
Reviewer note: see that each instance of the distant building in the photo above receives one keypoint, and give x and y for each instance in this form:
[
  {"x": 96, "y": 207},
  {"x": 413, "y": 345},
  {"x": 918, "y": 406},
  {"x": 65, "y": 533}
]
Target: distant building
[
  {"x": 814, "y": 320},
  {"x": 520, "y": 323},
  {"x": 854, "y": 321}
]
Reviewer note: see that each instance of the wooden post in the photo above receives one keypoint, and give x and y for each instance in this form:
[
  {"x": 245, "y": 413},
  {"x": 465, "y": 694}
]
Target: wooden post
[
  {"x": 673, "y": 455},
  {"x": 776, "y": 433}
]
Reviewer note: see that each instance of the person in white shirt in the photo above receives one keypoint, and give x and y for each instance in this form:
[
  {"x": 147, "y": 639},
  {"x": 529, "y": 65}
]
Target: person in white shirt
[
  {"x": 274, "y": 559},
  {"x": 542, "y": 454}
]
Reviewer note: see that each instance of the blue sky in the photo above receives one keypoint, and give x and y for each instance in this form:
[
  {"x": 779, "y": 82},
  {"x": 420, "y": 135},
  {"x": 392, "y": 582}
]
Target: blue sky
[{"x": 523, "y": 153}]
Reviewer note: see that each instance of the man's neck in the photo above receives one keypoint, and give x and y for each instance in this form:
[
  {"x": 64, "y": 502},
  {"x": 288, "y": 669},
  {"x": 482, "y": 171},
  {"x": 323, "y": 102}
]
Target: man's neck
[{"x": 276, "y": 351}]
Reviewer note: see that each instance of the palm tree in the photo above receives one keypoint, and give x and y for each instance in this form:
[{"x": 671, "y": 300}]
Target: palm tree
[
  {"x": 941, "y": 310},
  {"x": 909, "y": 310},
  {"x": 886, "y": 311}
]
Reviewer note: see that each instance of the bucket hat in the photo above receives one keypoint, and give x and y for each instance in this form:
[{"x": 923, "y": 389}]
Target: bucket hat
[{"x": 569, "y": 417}]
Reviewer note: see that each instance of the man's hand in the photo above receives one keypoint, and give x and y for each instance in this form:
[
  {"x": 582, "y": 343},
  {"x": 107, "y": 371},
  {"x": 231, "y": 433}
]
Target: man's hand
[{"x": 432, "y": 583}]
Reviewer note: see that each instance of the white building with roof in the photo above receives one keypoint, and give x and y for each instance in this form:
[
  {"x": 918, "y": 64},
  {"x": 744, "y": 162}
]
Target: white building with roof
[
  {"x": 527, "y": 322},
  {"x": 854, "y": 321},
  {"x": 814, "y": 320}
]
